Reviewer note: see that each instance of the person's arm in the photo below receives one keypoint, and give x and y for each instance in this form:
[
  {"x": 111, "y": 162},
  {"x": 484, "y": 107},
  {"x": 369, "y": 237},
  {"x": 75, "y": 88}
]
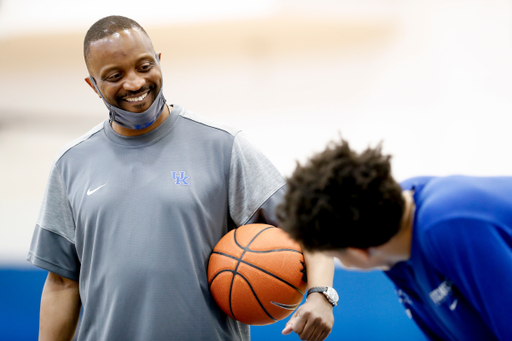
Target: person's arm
[
  {"x": 256, "y": 183},
  {"x": 60, "y": 308},
  {"x": 313, "y": 320}
]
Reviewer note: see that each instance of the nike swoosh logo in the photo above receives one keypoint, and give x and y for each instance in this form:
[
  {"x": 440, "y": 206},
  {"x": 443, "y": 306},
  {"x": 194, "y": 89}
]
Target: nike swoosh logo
[
  {"x": 89, "y": 192},
  {"x": 285, "y": 306},
  {"x": 454, "y": 304}
]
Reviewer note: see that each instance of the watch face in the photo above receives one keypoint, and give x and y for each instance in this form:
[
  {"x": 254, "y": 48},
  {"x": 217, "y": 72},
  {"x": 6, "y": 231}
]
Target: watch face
[{"x": 332, "y": 294}]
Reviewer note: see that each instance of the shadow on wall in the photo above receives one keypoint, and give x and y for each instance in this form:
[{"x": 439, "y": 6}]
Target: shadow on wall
[{"x": 368, "y": 309}]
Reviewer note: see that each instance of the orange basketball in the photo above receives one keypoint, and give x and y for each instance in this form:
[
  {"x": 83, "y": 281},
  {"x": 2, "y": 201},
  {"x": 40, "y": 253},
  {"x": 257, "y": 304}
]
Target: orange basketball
[{"x": 256, "y": 274}]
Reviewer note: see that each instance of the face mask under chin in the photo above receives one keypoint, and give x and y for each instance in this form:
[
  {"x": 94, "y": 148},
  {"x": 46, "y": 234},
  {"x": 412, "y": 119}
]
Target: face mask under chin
[{"x": 131, "y": 120}]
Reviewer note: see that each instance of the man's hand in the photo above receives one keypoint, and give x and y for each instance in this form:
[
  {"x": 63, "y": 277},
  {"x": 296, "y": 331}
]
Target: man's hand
[{"x": 313, "y": 320}]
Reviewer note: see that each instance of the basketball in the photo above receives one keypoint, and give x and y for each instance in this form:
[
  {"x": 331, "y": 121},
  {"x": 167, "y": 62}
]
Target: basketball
[{"x": 256, "y": 274}]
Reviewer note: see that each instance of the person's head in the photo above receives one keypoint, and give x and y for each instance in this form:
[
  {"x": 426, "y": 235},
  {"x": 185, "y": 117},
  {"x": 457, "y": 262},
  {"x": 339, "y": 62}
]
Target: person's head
[
  {"x": 342, "y": 200},
  {"x": 120, "y": 57}
]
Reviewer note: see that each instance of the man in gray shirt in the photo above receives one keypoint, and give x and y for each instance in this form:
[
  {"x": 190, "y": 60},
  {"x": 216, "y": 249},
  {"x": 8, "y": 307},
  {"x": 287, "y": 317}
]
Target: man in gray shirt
[{"x": 133, "y": 209}]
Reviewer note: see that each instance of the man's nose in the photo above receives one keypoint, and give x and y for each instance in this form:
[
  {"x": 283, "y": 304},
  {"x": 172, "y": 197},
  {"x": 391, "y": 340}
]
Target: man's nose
[{"x": 133, "y": 82}]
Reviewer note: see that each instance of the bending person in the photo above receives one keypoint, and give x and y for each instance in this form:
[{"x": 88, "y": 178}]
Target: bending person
[{"x": 445, "y": 242}]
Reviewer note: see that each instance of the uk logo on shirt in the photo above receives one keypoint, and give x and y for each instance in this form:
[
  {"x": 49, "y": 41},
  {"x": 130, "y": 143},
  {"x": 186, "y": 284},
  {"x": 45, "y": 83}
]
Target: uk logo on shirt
[{"x": 180, "y": 178}]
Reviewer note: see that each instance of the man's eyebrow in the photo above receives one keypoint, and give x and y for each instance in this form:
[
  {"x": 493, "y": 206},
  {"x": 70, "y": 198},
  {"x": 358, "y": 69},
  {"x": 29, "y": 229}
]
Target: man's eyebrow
[{"x": 148, "y": 56}]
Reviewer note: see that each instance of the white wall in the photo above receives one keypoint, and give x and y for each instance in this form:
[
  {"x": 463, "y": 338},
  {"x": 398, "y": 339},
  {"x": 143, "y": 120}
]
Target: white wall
[
  {"x": 26, "y": 17},
  {"x": 432, "y": 79}
]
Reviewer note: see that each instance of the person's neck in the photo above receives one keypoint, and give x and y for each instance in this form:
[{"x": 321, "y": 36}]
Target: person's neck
[
  {"x": 132, "y": 132},
  {"x": 398, "y": 248},
  {"x": 404, "y": 236}
]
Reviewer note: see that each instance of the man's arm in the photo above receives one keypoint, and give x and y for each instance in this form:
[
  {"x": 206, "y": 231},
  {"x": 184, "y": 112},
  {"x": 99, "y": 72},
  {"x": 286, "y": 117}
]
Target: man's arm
[
  {"x": 313, "y": 320},
  {"x": 254, "y": 179},
  {"x": 60, "y": 308}
]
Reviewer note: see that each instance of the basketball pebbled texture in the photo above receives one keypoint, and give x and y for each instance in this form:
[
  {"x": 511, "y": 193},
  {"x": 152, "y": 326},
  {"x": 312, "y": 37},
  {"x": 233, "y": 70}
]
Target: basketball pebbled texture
[{"x": 256, "y": 274}]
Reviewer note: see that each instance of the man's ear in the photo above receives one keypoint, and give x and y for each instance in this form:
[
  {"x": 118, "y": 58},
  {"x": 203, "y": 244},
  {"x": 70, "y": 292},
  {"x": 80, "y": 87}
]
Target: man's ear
[
  {"x": 362, "y": 255},
  {"x": 88, "y": 81},
  {"x": 159, "y": 54}
]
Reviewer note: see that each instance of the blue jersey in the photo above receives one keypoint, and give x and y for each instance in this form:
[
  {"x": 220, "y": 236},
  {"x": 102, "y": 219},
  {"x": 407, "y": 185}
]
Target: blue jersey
[{"x": 457, "y": 285}]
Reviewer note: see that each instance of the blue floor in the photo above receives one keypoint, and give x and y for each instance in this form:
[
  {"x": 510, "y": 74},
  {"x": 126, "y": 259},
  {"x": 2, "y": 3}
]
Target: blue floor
[{"x": 368, "y": 309}]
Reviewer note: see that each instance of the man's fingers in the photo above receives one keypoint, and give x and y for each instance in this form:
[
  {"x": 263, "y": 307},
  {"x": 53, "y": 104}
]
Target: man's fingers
[
  {"x": 287, "y": 329},
  {"x": 324, "y": 335},
  {"x": 298, "y": 322},
  {"x": 289, "y": 326},
  {"x": 307, "y": 330},
  {"x": 319, "y": 335},
  {"x": 316, "y": 335},
  {"x": 308, "y": 326},
  {"x": 321, "y": 332},
  {"x": 314, "y": 329}
]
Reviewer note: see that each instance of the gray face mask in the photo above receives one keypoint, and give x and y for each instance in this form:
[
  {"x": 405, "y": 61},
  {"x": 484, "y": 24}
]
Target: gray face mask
[{"x": 132, "y": 120}]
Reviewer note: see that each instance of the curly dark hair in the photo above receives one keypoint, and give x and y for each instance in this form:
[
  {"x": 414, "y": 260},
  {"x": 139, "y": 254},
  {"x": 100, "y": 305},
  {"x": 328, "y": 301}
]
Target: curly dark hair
[
  {"x": 106, "y": 27},
  {"x": 341, "y": 199}
]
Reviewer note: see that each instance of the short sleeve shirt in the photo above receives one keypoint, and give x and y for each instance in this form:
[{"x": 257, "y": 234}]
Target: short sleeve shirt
[
  {"x": 135, "y": 219},
  {"x": 457, "y": 285}
]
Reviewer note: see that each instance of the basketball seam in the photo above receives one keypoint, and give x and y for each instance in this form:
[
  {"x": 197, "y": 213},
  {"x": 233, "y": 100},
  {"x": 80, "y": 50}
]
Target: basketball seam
[
  {"x": 247, "y": 247},
  {"x": 250, "y": 287},
  {"x": 256, "y": 297},
  {"x": 238, "y": 264},
  {"x": 258, "y": 268},
  {"x": 261, "y": 251},
  {"x": 273, "y": 250},
  {"x": 218, "y": 273}
]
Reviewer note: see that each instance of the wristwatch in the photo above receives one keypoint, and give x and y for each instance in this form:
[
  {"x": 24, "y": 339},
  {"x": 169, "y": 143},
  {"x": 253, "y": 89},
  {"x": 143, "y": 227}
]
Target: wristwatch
[{"x": 329, "y": 293}]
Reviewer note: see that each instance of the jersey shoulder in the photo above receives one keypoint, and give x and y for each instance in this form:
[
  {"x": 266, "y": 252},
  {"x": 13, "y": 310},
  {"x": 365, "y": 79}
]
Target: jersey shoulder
[
  {"x": 96, "y": 129},
  {"x": 193, "y": 117},
  {"x": 457, "y": 197}
]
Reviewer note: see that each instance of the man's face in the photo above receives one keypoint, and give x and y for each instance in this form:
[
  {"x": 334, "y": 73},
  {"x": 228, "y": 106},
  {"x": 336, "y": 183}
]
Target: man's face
[{"x": 125, "y": 69}]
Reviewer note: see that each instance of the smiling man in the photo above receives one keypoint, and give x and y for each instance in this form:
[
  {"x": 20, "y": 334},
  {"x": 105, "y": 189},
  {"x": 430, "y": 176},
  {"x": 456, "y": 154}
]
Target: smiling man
[
  {"x": 445, "y": 242},
  {"x": 133, "y": 209},
  {"x": 126, "y": 55}
]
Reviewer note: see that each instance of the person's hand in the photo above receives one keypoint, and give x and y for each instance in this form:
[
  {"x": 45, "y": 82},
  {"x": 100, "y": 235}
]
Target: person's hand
[{"x": 313, "y": 320}]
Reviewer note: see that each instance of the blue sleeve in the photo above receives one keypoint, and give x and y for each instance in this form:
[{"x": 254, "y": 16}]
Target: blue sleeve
[{"x": 477, "y": 257}]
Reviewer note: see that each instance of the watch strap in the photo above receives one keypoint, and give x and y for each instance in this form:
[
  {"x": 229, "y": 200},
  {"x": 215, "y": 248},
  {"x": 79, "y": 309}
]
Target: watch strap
[
  {"x": 317, "y": 289},
  {"x": 326, "y": 292}
]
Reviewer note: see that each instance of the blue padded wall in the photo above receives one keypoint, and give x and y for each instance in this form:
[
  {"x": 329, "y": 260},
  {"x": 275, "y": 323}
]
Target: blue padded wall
[{"x": 368, "y": 309}]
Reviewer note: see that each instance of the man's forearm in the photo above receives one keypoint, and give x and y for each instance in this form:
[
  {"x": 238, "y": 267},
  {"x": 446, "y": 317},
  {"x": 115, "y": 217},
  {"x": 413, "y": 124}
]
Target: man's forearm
[
  {"x": 314, "y": 319},
  {"x": 320, "y": 269},
  {"x": 60, "y": 309}
]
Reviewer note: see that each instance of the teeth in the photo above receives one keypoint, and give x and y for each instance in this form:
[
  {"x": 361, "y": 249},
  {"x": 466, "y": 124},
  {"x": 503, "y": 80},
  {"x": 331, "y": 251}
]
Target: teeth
[{"x": 136, "y": 99}]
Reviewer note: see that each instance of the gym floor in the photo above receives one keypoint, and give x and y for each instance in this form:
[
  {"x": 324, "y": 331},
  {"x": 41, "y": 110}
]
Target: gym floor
[{"x": 368, "y": 309}]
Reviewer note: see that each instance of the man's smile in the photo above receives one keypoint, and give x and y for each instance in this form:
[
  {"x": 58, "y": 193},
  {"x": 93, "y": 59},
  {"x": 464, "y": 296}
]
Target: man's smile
[{"x": 136, "y": 98}]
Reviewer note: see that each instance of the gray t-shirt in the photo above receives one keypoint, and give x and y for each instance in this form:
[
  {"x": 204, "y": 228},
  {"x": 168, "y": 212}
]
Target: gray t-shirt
[{"x": 134, "y": 220}]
